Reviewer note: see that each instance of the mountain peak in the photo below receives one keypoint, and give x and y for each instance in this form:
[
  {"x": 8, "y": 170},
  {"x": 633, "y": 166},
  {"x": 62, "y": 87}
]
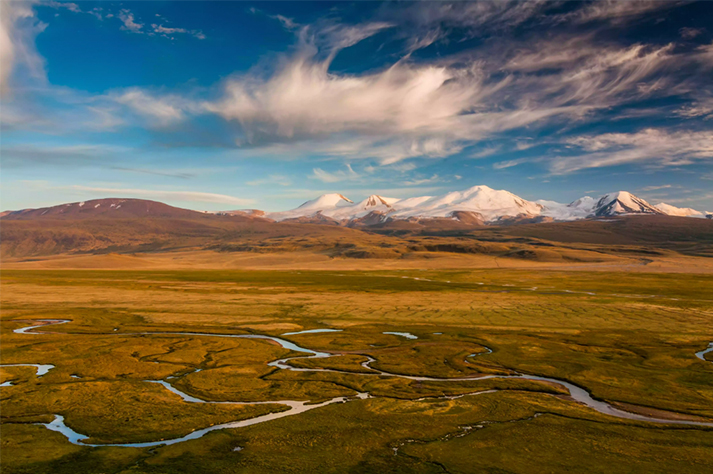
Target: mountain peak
[
  {"x": 678, "y": 211},
  {"x": 623, "y": 202},
  {"x": 326, "y": 200},
  {"x": 480, "y": 188},
  {"x": 374, "y": 200}
]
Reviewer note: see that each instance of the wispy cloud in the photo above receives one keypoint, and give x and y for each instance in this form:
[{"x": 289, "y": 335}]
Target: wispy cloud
[
  {"x": 616, "y": 11},
  {"x": 420, "y": 182},
  {"x": 655, "y": 188},
  {"x": 273, "y": 179},
  {"x": 191, "y": 196},
  {"x": 168, "y": 31},
  {"x": 546, "y": 80},
  {"x": 437, "y": 109},
  {"x": 18, "y": 28},
  {"x": 509, "y": 163},
  {"x": 335, "y": 177},
  {"x": 690, "y": 33},
  {"x": 127, "y": 18},
  {"x": 73, "y": 7},
  {"x": 15, "y": 156},
  {"x": 163, "y": 110},
  {"x": 650, "y": 147},
  {"x": 155, "y": 172},
  {"x": 699, "y": 109}
]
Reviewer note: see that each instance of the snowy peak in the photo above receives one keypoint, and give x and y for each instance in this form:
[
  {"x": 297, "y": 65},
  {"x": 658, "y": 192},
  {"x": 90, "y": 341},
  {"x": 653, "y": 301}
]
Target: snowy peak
[
  {"x": 375, "y": 200},
  {"x": 586, "y": 202},
  {"x": 324, "y": 205},
  {"x": 490, "y": 203},
  {"x": 480, "y": 204},
  {"x": 623, "y": 202},
  {"x": 326, "y": 201},
  {"x": 678, "y": 211}
]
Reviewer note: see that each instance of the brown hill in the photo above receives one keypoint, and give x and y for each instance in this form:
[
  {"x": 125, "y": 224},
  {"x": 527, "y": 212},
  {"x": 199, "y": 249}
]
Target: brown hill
[{"x": 115, "y": 208}]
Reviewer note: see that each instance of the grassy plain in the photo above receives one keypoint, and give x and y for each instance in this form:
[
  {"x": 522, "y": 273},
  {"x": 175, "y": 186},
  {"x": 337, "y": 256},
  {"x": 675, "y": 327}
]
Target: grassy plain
[{"x": 628, "y": 338}]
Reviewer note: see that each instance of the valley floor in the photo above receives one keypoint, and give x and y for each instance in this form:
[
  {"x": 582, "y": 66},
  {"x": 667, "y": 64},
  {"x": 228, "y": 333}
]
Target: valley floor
[
  {"x": 213, "y": 260},
  {"x": 635, "y": 340}
]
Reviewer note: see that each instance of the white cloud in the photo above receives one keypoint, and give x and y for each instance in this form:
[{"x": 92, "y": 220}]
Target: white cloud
[
  {"x": 690, "y": 33},
  {"x": 28, "y": 155},
  {"x": 418, "y": 182},
  {"x": 485, "y": 152},
  {"x": 97, "y": 13},
  {"x": 191, "y": 196},
  {"x": 341, "y": 175},
  {"x": 163, "y": 110},
  {"x": 435, "y": 110},
  {"x": 699, "y": 109},
  {"x": 655, "y": 188},
  {"x": 166, "y": 31},
  {"x": 127, "y": 18},
  {"x": 73, "y": 7},
  {"x": 288, "y": 23},
  {"x": 616, "y": 11},
  {"x": 509, "y": 164},
  {"x": 271, "y": 180},
  {"x": 410, "y": 108},
  {"x": 18, "y": 28},
  {"x": 650, "y": 147}
]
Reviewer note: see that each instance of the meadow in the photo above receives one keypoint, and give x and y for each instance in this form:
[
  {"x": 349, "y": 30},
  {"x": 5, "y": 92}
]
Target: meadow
[{"x": 628, "y": 338}]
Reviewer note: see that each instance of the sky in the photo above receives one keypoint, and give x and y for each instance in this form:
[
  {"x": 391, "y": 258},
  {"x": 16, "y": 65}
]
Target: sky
[{"x": 237, "y": 104}]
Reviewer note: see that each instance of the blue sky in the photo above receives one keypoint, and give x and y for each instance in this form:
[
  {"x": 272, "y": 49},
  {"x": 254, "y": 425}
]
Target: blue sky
[{"x": 225, "y": 105}]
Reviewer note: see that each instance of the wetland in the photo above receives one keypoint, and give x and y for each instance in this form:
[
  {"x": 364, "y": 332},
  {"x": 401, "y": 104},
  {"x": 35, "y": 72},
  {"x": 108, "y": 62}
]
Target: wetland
[{"x": 159, "y": 371}]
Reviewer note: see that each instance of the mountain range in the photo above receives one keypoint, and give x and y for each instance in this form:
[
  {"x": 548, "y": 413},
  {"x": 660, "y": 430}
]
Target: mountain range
[
  {"x": 476, "y": 205},
  {"x": 477, "y": 221}
]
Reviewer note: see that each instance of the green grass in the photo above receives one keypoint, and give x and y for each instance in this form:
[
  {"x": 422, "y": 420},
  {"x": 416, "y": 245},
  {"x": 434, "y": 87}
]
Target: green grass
[{"x": 632, "y": 342}]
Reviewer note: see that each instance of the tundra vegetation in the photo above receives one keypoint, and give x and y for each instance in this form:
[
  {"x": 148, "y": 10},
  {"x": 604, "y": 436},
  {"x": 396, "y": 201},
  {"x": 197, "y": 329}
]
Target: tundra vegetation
[{"x": 628, "y": 338}]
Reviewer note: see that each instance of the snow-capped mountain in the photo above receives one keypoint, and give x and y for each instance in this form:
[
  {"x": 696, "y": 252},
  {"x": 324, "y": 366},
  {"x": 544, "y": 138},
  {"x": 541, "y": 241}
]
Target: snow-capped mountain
[
  {"x": 622, "y": 202},
  {"x": 336, "y": 206},
  {"x": 579, "y": 209},
  {"x": 678, "y": 211},
  {"x": 478, "y": 204},
  {"x": 489, "y": 203}
]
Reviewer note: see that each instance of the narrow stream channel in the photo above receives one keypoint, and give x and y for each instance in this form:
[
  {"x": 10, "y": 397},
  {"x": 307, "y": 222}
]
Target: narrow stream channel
[
  {"x": 702, "y": 354},
  {"x": 577, "y": 393}
]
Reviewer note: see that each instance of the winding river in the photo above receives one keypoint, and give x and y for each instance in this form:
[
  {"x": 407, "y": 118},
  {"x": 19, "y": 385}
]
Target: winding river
[
  {"x": 702, "y": 354},
  {"x": 577, "y": 393}
]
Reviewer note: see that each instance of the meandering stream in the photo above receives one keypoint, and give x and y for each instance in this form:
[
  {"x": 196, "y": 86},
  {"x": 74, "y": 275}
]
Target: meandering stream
[
  {"x": 577, "y": 393},
  {"x": 702, "y": 354}
]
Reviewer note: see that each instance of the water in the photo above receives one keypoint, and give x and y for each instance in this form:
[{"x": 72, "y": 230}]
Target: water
[
  {"x": 42, "y": 369},
  {"x": 43, "y": 322},
  {"x": 407, "y": 335},
  {"x": 701, "y": 354},
  {"x": 295, "y": 407},
  {"x": 311, "y": 331}
]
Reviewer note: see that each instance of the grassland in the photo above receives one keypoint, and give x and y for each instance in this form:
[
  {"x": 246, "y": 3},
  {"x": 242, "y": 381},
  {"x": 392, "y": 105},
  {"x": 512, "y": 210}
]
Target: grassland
[{"x": 628, "y": 338}]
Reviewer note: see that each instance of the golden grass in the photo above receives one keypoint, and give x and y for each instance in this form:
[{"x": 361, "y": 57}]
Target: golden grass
[{"x": 632, "y": 342}]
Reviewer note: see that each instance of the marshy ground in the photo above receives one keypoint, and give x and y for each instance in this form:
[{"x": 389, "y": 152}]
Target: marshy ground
[{"x": 628, "y": 338}]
